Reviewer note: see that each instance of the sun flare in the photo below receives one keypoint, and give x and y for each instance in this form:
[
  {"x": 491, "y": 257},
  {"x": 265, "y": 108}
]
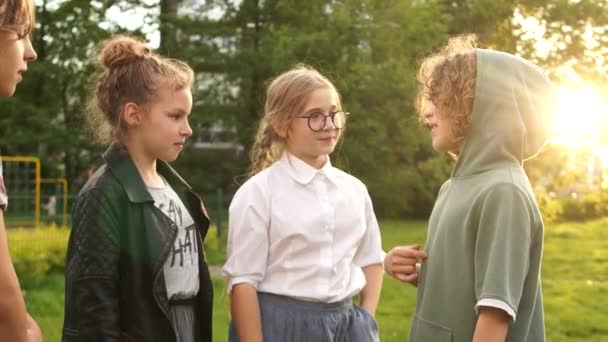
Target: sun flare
[
  {"x": 581, "y": 120},
  {"x": 581, "y": 115}
]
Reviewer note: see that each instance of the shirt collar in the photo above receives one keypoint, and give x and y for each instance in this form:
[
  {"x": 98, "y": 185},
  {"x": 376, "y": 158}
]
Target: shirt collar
[{"x": 303, "y": 173}]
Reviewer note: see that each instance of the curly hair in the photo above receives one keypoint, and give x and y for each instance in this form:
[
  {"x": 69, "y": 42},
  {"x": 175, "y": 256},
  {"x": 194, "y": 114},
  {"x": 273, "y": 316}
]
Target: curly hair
[{"x": 447, "y": 80}]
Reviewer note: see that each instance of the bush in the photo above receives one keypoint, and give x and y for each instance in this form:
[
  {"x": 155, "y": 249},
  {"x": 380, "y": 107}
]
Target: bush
[
  {"x": 588, "y": 206},
  {"x": 576, "y": 207},
  {"x": 215, "y": 246},
  {"x": 37, "y": 252},
  {"x": 551, "y": 208}
]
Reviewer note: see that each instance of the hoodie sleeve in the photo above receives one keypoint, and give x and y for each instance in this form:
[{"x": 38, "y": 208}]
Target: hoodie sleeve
[{"x": 502, "y": 249}]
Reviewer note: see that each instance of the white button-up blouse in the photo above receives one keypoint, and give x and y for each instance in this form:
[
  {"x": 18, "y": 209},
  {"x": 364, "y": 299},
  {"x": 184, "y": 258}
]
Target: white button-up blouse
[{"x": 302, "y": 232}]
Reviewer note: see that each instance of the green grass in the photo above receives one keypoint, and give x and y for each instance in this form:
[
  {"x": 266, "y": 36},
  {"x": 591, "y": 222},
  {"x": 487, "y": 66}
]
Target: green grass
[
  {"x": 575, "y": 286},
  {"x": 575, "y": 281},
  {"x": 45, "y": 304}
]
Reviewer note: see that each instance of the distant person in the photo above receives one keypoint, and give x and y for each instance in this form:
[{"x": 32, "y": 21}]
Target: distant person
[
  {"x": 480, "y": 280},
  {"x": 16, "y": 51},
  {"x": 136, "y": 268},
  {"x": 51, "y": 209}
]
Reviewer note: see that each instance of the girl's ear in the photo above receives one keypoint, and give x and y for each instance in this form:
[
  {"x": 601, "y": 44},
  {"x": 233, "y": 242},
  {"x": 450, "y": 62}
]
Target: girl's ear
[
  {"x": 131, "y": 114},
  {"x": 281, "y": 130}
]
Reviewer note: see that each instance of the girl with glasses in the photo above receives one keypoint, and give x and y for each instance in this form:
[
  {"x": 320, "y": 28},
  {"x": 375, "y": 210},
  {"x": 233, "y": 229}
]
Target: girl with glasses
[{"x": 303, "y": 237}]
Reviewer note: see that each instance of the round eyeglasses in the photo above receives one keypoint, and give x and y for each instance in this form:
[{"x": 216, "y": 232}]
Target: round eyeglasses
[{"x": 317, "y": 120}]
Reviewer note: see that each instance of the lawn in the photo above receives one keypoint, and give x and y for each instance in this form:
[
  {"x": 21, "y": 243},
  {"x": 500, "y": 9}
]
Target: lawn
[{"x": 575, "y": 286}]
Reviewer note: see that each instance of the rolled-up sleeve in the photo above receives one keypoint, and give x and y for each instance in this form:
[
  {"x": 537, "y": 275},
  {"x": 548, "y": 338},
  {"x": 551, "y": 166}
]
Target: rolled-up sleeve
[
  {"x": 370, "y": 249},
  {"x": 248, "y": 224}
]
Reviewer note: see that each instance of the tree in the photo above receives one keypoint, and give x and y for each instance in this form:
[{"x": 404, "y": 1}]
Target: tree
[
  {"x": 48, "y": 116},
  {"x": 365, "y": 47},
  {"x": 369, "y": 48}
]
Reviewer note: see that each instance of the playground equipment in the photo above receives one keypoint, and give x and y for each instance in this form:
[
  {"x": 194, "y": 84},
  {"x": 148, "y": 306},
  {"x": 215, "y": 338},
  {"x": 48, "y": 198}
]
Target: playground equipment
[{"x": 27, "y": 196}]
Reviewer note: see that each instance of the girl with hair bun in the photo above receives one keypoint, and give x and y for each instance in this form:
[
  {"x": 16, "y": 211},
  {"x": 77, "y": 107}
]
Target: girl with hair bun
[
  {"x": 136, "y": 268},
  {"x": 16, "y": 51}
]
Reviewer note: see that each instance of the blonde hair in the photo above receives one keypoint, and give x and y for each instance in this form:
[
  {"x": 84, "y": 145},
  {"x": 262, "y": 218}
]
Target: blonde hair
[
  {"x": 447, "y": 79},
  {"x": 131, "y": 72},
  {"x": 286, "y": 97},
  {"x": 16, "y": 13}
]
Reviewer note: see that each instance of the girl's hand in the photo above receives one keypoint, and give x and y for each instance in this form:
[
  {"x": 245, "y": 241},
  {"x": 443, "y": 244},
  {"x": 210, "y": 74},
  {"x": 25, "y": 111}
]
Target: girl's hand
[
  {"x": 400, "y": 263},
  {"x": 33, "y": 330}
]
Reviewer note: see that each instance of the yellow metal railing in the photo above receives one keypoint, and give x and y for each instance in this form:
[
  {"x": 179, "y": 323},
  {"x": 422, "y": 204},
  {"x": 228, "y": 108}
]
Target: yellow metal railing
[{"x": 36, "y": 162}]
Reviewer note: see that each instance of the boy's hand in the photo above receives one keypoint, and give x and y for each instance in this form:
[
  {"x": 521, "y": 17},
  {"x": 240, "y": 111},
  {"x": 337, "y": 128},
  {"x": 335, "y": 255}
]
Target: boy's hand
[{"x": 400, "y": 263}]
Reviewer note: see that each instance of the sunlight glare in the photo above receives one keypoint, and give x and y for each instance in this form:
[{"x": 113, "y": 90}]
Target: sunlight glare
[
  {"x": 581, "y": 115},
  {"x": 581, "y": 121}
]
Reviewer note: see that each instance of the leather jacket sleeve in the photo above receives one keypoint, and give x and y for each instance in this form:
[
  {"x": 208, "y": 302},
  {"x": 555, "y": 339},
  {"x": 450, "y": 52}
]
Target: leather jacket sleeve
[{"x": 92, "y": 308}]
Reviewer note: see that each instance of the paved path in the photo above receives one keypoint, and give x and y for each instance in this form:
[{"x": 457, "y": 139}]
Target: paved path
[{"x": 215, "y": 270}]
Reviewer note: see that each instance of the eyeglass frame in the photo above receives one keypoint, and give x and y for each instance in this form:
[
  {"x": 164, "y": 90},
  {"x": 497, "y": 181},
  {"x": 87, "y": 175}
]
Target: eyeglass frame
[{"x": 331, "y": 115}]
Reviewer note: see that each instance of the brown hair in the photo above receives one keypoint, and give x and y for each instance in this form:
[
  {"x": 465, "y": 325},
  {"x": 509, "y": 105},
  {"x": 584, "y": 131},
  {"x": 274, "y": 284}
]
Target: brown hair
[
  {"x": 17, "y": 13},
  {"x": 286, "y": 97},
  {"x": 131, "y": 72},
  {"x": 447, "y": 79}
]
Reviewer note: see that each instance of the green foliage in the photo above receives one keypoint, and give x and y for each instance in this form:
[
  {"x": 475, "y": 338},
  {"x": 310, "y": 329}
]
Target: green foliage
[
  {"x": 369, "y": 48},
  {"x": 45, "y": 302},
  {"x": 575, "y": 284},
  {"x": 51, "y": 102},
  {"x": 37, "y": 252},
  {"x": 209, "y": 170},
  {"x": 550, "y": 207},
  {"x": 564, "y": 23},
  {"x": 585, "y": 207},
  {"x": 576, "y": 207},
  {"x": 215, "y": 247},
  {"x": 563, "y": 190}
]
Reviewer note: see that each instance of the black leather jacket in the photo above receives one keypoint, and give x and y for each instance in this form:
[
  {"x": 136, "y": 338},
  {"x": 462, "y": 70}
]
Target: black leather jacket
[{"x": 115, "y": 288}]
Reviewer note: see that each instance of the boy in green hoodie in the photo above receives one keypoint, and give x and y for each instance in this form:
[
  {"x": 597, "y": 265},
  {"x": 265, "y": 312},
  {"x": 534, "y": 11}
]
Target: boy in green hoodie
[{"x": 479, "y": 278}]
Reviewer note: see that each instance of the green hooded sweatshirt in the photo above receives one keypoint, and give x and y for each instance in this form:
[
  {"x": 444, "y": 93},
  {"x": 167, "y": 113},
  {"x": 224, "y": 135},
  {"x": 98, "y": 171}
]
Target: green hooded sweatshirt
[{"x": 485, "y": 234}]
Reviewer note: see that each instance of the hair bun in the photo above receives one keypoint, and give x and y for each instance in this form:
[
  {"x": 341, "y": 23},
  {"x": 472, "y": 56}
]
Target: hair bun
[{"x": 122, "y": 50}]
